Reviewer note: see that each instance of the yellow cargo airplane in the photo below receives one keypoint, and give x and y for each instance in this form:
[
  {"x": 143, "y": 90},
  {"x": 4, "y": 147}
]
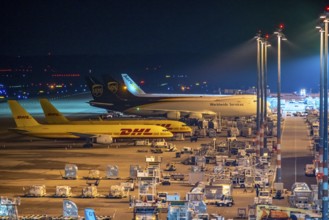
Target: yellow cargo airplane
[
  {"x": 53, "y": 116},
  {"x": 102, "y": 134}
]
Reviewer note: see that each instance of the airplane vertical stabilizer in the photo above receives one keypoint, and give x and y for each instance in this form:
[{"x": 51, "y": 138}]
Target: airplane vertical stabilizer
[
  {"x": 52, "y": 115},
  {"x": 90, "y": 214},
  {"x": 131, "y": 85},
  {"x": 21, "y": 116}
]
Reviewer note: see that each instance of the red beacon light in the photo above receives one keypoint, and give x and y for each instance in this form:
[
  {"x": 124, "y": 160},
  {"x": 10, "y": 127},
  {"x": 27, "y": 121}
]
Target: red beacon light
[
  {"x": 281, "y": 26},
  {"x": 327, "y": 8},
  {"x": 267, "y": 36}
]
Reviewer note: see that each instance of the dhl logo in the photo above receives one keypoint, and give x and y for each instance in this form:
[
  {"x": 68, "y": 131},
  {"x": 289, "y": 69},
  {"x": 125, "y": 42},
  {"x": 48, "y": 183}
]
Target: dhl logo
[
  {"x": 23, "y": 117},
  {"x": 136, "y": 131},
  {"x": 52, "y": 114},
  {"x": 165, "y": 126}
]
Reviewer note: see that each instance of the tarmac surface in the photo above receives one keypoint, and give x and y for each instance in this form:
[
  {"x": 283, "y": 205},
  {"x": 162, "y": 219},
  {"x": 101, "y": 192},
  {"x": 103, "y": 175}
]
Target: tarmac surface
[
  {"x": 296, "y": 152},
  {"x": 28, "y": 161}
]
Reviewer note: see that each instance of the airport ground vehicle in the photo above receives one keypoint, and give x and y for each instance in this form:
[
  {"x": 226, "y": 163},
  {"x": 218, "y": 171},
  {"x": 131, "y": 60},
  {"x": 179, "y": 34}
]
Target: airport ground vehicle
[
  {"x": 159, "y": 144},
  {"x": 117, "y": 191},
  {"x": 242, "y": 181},
  {"x": 166, "y": 181},
  {"x": 186, "y": 150},
  {"x": 170, "y": 167},
  {"x": 225, "y": 201},
  {"x": 309, "y": 170},
  {"x": 128, "y": 186},
  {"x": 177, "y": 176},
  {"x": 90, "y": 192},
  {"x": 264, "y": 197},
  {"x": 63, "y": 191},
  {"x": 145, "y": 211},
  {"x": 143, "y": 142},
  {"x": 194, "y": 138},
  {"x": 35, "y": 191},
  {"x": 156, "y": 151},
  {"x": 301, "y": 196},
  {"x": 272, "y": 212}
]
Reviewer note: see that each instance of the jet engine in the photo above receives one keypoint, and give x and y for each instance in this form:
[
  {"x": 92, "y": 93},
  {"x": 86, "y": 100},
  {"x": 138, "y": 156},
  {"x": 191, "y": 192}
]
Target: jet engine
[
  {"x": 103, "y": 139},
  {"x": 173, "y": 115},
  {"x": 195, "y": 115}
]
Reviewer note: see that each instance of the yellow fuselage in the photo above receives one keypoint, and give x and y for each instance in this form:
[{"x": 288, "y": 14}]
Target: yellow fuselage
[{"x": 78, "y": 131}]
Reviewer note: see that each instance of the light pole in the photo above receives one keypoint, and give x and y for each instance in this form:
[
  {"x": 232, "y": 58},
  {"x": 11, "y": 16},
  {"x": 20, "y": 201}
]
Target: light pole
[
  {"x": 261, "y": 130},
  {"x": 325, "y": 119},
  {"x": 266, "y": 45},
  {"x": 259, "y": 43},
  {"x": 280, "y": 37},
  {"x": 320, "y": 162}
]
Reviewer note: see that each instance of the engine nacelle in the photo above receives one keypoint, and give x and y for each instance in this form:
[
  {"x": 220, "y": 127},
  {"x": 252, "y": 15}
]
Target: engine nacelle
[
  {"x": 195, "y": 115},
  {"x": 103, "y": 139},
  {"x": 173, "y": 115}
]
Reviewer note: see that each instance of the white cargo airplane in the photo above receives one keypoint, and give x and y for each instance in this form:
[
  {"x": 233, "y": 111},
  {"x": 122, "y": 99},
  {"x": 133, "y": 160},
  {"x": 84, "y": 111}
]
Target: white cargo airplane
[
  {"x": 137, "y": 91},
  {"x": 117, "y": 97},
  {"x": 229, "y": 105}
]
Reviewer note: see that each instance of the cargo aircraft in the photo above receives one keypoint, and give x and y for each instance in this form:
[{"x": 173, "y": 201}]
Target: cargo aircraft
[
  {"x": 53, "y": 116},
  {"x": 115, "y": 96},
  {"x": 102, "y": 134}
]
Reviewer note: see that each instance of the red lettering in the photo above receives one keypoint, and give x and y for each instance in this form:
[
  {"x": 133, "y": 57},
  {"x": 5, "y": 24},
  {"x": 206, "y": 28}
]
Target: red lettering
[
  {"x": 147, "y": 131},
  {"x": 125, "y": 131},
  {"x": 166, "y": 125},
  {"x": 138, "y": 131}
]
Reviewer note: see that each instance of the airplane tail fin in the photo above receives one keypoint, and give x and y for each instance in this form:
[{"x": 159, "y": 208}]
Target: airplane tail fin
[
  {"x": 95, "y": 86},
  {"x": 111, "y": 91},
  {"x": 90, "y": 214},
  {"x": 21, "y": 116},
  {"x": 52, "y": 115},
  {"x": 131, "y": 85}
]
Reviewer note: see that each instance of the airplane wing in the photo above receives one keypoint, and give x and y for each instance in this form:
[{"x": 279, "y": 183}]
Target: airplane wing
[
  {"x": 182, "y": 112},
  {"x": 83, "y": 135},
  {"x": 18, "y": 130}
]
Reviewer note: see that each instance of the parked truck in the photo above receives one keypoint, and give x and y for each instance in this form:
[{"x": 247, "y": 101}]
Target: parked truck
[
  {"x": 264, "y": 197},
  {"x": 310, "y": 170},
  {"x": 301, "y": 196},
  {"x": 225, "y": 201},
  {"x": 145, "y": 211}
]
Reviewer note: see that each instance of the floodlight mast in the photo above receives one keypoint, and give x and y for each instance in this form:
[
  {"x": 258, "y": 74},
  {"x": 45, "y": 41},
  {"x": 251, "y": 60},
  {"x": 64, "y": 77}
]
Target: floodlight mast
[
  {"x": 266, "y": 45},
  {"x": 319, "y": 160},
  {"x": 258, "y": 90},
  {"x": 325, "y": 18},
  {"x": 280, "y": 36}
]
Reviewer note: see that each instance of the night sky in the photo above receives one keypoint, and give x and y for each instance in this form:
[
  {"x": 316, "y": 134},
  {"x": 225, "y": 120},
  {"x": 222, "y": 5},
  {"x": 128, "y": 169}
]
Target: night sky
[{"x": 219, "y": 32}]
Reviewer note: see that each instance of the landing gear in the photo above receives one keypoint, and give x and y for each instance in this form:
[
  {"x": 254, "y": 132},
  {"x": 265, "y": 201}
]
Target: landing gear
[{"x": 89, "y": 143}]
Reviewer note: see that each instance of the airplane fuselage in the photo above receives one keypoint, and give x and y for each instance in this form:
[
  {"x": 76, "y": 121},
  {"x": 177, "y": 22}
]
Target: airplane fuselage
[
  {"x": 80, "y": 131},
  {"x": 240, "y": 105}
]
